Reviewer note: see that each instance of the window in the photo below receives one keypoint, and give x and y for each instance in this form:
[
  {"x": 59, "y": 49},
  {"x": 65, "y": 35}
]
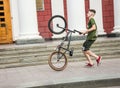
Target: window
[
  {"x": 40, "y": 5},
  {"x": 1, "y": 2},
  {"x": 2, "y": 14},
  {"x": 1, "y": 8}
]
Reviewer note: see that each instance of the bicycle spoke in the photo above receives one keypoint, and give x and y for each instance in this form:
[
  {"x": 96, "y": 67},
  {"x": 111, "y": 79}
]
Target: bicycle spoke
[
  {"x": 57, "y": 20},
  {"x": 57, "y": 61}
]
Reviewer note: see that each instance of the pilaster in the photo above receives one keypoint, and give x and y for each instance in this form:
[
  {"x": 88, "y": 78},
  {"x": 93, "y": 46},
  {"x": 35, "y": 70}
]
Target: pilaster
[{"x": 28, "y": 27}]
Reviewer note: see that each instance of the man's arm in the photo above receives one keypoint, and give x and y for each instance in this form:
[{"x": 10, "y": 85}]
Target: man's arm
[{"x": 91, "y": 29}]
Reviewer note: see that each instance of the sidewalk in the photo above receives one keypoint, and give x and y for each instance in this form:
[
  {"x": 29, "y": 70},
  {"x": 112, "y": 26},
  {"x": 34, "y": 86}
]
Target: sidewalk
[{"x": 75, "y": 74}]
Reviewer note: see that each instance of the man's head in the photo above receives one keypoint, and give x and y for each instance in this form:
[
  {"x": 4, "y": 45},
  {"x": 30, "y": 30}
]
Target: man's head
[{"x": 91, "y": 12}]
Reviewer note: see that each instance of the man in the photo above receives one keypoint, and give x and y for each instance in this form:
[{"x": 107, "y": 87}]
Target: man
[{"x": 91, "y": 37}]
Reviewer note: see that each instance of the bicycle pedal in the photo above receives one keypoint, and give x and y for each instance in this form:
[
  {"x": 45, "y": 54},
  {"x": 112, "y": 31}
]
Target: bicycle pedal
[{"x": 71, "y": 53}]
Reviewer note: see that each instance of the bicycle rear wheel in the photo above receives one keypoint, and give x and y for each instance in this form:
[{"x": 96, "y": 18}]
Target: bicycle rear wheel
[
  {"x": 54, "y": 22},
  {"x": 57, "y": 61}
]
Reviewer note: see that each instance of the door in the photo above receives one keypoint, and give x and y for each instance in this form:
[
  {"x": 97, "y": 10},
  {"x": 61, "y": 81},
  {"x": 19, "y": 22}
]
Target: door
[{"x": 5, "y": 22}]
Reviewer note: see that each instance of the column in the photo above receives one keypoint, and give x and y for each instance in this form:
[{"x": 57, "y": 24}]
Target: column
[
  {"x": 57, "y": 9},
  {"x": 117, "y": 16},
  {"x": 15, "y": 19},
  {"x": 97, "y": 5},
  {"x": 76, "y": 15},
  {"x": 28, "y": 22}
]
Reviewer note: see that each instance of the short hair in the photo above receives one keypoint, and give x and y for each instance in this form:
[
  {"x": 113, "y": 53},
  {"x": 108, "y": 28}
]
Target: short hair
[{"x": 92, "y": 10}]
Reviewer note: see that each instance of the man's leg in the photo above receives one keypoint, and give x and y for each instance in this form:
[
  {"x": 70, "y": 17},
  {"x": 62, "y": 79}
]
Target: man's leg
[
  {"x": 98, "y": 58},
  {"x": 88, "y": 57},
  {"x": 92, "y": 54}
]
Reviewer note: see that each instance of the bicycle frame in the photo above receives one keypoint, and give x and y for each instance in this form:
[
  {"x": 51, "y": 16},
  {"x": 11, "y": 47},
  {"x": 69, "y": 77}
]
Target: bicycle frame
[
  {"x": 61, "y": 45},
  {"x": 67, "y": 37}
]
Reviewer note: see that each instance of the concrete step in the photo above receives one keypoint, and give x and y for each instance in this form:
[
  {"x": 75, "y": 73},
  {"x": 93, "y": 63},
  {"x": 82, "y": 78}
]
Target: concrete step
[
  {"x": 44, "y": 55},
  {"x": 42, "y": 46},
  {"x": 43, "y": 50},
  {"x": 23, "y": 64},
  {"x": 38, "y": 54},
  {"x": 32, "y": 63},
  {"x": 43, "y": 59}
]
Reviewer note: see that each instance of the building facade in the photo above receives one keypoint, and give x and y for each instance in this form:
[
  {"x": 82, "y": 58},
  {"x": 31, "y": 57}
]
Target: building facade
[{"x": 26, "y": 20}]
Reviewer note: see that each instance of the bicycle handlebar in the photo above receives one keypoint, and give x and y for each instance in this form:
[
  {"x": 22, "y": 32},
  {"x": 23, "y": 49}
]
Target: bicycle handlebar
[{"x": 73, "y": 31}]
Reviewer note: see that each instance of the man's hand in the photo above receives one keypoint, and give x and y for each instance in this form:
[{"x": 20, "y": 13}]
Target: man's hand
[{"x": 85, "y": 32}]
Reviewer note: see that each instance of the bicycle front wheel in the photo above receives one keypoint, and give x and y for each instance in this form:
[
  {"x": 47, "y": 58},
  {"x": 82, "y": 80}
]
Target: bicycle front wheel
[
  {"x": 57, "y": 20},
  {"x": 57, "y": 61}
]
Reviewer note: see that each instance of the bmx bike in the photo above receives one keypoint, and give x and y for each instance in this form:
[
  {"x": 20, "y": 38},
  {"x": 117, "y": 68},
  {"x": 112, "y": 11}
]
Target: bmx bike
[{"x": 58, "y": 60}]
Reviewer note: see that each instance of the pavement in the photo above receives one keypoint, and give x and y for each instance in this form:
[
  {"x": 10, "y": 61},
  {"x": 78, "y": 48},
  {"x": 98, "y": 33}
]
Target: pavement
[{"x": 76, "y": 75}]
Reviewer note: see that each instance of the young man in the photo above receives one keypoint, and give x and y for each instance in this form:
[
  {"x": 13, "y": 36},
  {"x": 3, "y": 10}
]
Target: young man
[{"x": 91, "y": 37}]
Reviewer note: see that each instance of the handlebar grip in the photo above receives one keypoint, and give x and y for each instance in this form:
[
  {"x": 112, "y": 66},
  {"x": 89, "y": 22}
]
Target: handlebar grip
[{"x": 78, "y": 31}]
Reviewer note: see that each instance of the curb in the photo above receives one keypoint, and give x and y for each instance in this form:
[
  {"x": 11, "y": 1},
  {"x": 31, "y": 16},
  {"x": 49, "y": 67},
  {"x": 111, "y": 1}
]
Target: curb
[{"x": 83, "y": 84}]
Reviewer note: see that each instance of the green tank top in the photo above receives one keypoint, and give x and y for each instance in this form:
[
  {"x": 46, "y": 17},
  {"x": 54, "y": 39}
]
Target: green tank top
[{"x": 93, "y": 34}]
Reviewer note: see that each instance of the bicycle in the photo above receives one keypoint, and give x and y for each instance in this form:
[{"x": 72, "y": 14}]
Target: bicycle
[{"x": 58, "y": 60}]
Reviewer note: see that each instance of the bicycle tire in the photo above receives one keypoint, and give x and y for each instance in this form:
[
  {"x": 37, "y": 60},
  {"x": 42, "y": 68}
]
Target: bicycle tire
[
  {"x": 64, "y": 62},
  {"x": 57, "y": 18}
]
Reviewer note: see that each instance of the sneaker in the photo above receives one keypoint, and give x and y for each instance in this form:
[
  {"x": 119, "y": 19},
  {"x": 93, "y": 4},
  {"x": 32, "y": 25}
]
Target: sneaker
[
  {"x": 99, "y": 60},
  {"x": 89, "y": 65}
]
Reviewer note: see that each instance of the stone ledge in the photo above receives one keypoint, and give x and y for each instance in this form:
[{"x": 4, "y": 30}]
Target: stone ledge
[
  {"x": 29, "y": 41},
  {"x": 113, "y": 35},
  {"x": 98, "y": 83}
]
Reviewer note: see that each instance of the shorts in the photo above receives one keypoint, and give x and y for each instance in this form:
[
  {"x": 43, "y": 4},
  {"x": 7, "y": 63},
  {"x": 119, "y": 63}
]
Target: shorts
[{"x": 87, "y": 44}]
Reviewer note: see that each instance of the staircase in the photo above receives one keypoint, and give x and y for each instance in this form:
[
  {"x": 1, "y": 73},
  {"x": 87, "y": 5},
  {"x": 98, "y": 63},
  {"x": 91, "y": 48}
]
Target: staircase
[{"x": 38, "y": 54}]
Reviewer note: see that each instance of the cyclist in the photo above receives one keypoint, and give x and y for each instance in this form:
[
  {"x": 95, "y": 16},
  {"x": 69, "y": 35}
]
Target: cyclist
[{"x": 91, "y": 37}]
